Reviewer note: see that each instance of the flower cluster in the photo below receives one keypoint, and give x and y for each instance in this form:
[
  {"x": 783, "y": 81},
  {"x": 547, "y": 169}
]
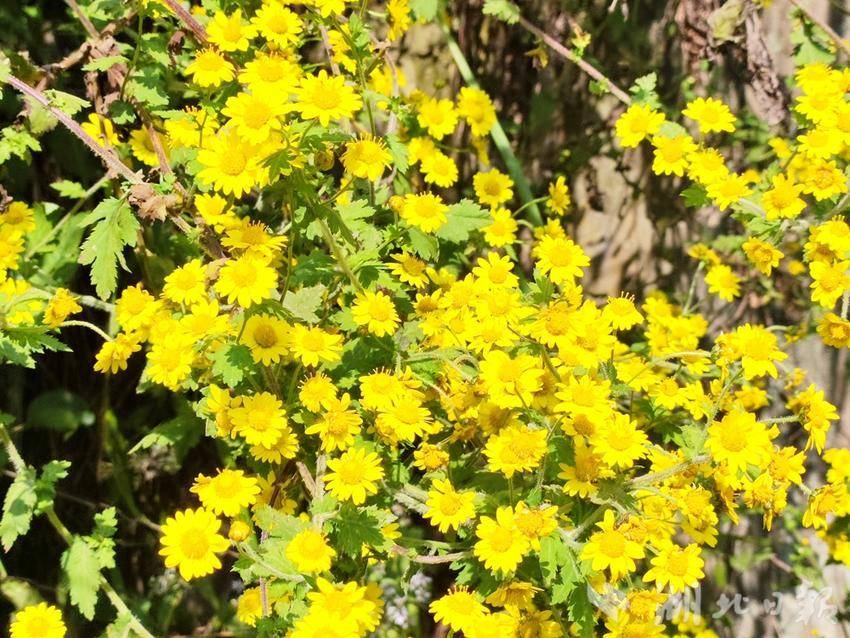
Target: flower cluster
[{"x": 391, "y": 381}]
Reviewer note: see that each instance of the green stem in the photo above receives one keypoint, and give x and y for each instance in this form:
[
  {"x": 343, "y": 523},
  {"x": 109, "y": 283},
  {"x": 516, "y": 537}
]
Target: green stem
[{"x": 500, "y": 139}]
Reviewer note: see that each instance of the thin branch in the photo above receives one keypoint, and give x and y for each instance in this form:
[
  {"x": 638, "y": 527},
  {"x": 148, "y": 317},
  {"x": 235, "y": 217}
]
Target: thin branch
[
  {"x": 188, "y": 19},
  {"x": 112, "y": 161},
  {"x": 583, "y": 64},
  {"x": 841, "y": 42}
]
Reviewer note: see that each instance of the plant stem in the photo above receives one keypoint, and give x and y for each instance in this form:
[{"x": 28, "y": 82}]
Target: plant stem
[
  {"x": 585, "y": 66},
  {"x": 338, "y": 255},
  {"x": 500, "y": 139},
  {"x": 49, "y": 513}
]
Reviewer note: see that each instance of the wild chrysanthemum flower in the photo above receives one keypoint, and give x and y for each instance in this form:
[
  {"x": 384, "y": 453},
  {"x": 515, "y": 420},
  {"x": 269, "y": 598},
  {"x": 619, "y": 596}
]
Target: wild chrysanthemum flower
[
  {"x": 493, "y": 188},
  {"x": 246, "y": 281},
  {"x": 515, "y": 449},
  {"x": 738, "y": 440},
  {"x": 561, "y": 259},
  {"x": 637, "y": 123},
  {"x": 313, "y": 346},
  {"x": 326, "y": 98},
  {"x": 260, "y": 419},
  {"x": 438, "y": 117},
  {"x": 337, "y": 425},
  {"x": 210, "y": 69},
  {"x": 711, "y": 114},
  {"x": 186, "y": 284},
  {"x": 501, "y": 545},
  {"x": 190, "y": 542},
  {"x": 38, "y": 621},
  {"x": 310, "y": 552},
  {"x": 376, "y": 312},
  {"x": 366, "y": 158},
  {"x": 459, "y": 609},
  {"x": 230, "y": 32},
  {"x": 448, "y": 508},
  {"x": 226, "y": 493},
  {"x": 267, "y": 337},
  {"x": 676, "y": 567},
  {"x": 610, "y": 548},
  {"x": 354, "y": 475},
  {"x": 426, "y": 211},
  {"x": 277, "y": 24}
]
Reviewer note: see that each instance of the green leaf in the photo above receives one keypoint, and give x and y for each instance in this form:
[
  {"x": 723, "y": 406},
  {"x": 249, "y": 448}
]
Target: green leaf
[
  {"x": 17, "y": 142},
  {"x": 277, "y": 524},
  {"x": 59, "y": 410},
  {"x": 181, "y": 433},
  {"x": 116, "y": 227},
  {"x": 45, "y": 486},
  {"x": 424, "y": 10},
  {"x": 18, "y": 508},
  {"x": 695, "y": 196},
  {"x": 553, "y": 552},
  {"x": 104, "y": 63},
  {"x": 355, "y": 527},
  {"x": 230, "y": 363},
  {"x": 304, "y": 304},
  {"x": 502, "y": 9},
  {"x": 398, "y": 151},
  {"x": 83, "y": 571},
  {"x": 65, "y": 102},
  {"x": 644, "y": 90},
  {"x": 423, "y": 245},
  {"x": 463, "y": 218},
  {"x": 581, "y": 611},
  {"x": 17, "y": 345},
  {"x": 69, "y": 189}
]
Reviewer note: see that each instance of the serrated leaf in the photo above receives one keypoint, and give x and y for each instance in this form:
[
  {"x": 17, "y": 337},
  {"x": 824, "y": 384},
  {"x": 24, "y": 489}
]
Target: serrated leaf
[
  {"x": 423, "y": 245},
  {"x": 424, "y": 10},
  {"x": 303, "y": 304},
  {"x": 230, "y": 363},
  {"x": 355, "y": 527},
  {"x": 45, "y": 486},
  {"x": 69, "y": 189},
  {"x": 398, "y": 151},
  {"x": 115, "y": 228},
  {"x": 83, "y": 571},
  {"x": 104, "y": 63},
  {"x": 461, "y": 219},
  {"x": 502, "y": 9},
  {"x": 65, "y": 102},
  {"x": 277, "y": 524},
  {"x": 18, "y": 508}
]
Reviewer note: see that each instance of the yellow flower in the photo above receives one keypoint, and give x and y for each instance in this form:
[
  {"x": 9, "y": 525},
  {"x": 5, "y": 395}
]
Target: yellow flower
[
  {"x": 375, "y": 311},
  {"x": 834, "y": 331},
  {"x": 823, "y": 179},
  {"x": 249, "y": 607},
  {"x": 579, "y": 479},
  {"x": 226, "y": 493},
  {"x": 493, "y": 188},
  {"x": 142, "y": 147},
  {"x": 762, "y": 255},
  {"x": 637, "y": 123},
  {"x": 820, "y": 142},
  {"x": 403, "y": 419},
  {"x": 170, "y": 361},
  {"x": 229, "y": 32},
  {"x": 113, "y": 355},
  {"x": 277, "y": 24},
  {"x": 476, "y": 107},
  {"x": 758, "y": 349},
  {"x": 337, "y": 425},
  {"x": 325, "y": 98},
  {"x": 511, "y": 382},
  {"x": 186, "y": 284},
  {"x": 354, "y": 475},
  {"x": 829, "y": 281},
  {"x": 398, "y": 12},
  {"x": 260, "y": 419},
  {"x": 38, "y": 621},
  {"x": 723, "y": 282},
  {"x": 621, "y": 312},
  {"x": 310, "y": 552},
  {"x": 317, "y": 392},
  {"x": 536, "y": 523},
  {"x": 729, "y": 190},
  {"x": 313, "y": 345},
  {"x": 271, "y": 73},
  {"x": 267, "y": 337},
  {"x": 255, "y": 115},
  {"x": 366, "y": 158},
  {"x": 502, "y": 232},
  {"x": 439, "y": 169},
  {"x": 210, "y": 69},
  {"x": 560, "y": 258},
  {"x": 341, "y": 605},
  {"x": 711, "y": 114},
  {"x": 671, "y": 154},
  {"x": 501, "y": 545},
  {"x": 559, "y": 196},
  {"x": 447, "y": 508},
  {"x": 409, "y": 269},
  {"x": 516, "y": 448},
  {"x": 618, "y": 441},
  {"x": 101, "y": 129},
  {"x": 62, "y": 305},
  {"x": 231, "y": 164},
  {"x": 430, "y": 458},
  {"x": 190, "y": 542},
  {"x": 610, "y": 548},
  {"x": 738, "y": 440},
  {"x": 246, "y": 281},
  {"x": 426, "y": 211},
  {"x": 216, "y": 212},
  {"x": 438, "y": 117},
  {"x": 459, "y": 609},
  {"x": 678, "y": 567}
]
